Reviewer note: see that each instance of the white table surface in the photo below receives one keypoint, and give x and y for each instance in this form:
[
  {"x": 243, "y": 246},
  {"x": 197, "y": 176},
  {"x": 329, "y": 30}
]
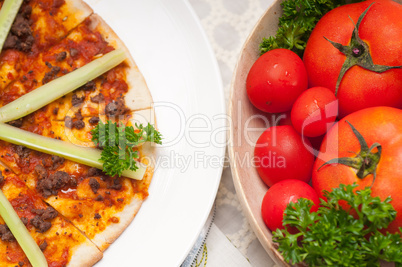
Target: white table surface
[{"x": 227, "y": 24}]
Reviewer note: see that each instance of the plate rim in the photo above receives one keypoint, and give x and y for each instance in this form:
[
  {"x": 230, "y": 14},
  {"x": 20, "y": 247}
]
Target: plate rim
[{"x": 221, "y": 109}]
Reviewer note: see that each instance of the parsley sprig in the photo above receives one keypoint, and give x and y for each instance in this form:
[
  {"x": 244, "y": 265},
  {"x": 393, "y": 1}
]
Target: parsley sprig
[
  {"x": 333, "y": 237},
  {"x": 118, "y": 142},
  {"x": 297, "y": 22}
]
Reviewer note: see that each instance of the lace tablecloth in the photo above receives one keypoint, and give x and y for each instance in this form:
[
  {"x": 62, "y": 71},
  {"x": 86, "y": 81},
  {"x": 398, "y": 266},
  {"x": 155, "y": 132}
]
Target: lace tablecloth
[{"x": 227, "y": 24}]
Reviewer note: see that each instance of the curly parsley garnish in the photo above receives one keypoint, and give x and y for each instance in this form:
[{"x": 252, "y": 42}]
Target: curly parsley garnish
[
  {"x": 333, "y": 237},
  {"x": 118, "y": 143},
  {"x": 297, "y": 22}
]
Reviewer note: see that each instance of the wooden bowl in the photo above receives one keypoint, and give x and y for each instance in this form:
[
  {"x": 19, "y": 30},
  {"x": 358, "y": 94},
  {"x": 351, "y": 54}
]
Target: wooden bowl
[
  {"x": 245, "y": 117},
  {"x": 247, "y": 125}
]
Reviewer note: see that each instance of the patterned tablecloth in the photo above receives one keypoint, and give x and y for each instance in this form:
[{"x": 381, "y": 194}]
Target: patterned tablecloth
[{"x": 227, "y": 24}]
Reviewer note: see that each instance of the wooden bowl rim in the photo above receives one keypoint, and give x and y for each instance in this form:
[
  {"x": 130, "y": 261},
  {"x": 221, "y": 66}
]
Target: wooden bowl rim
[{"x": 266, "y": 243}]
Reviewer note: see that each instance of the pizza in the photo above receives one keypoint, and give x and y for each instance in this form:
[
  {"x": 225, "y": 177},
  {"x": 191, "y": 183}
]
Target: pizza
[
  {"x": 72, "y": 211},
  {"x": 48, "y": 228}
]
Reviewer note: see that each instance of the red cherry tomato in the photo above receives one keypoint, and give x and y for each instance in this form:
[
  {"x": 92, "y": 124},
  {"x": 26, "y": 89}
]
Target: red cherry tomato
[
  {"x": 314, "y": 112},
  {"x": 284, "y": 119},
  {"x": 275, "y": 80},
  {"x": 316, "y": 143},
  {"x": 281, "y": 153},
  {"x": 280, "y": 195}
]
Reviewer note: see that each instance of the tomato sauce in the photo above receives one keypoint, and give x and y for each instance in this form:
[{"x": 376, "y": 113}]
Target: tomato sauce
[
  {"x": 15, "y": 254},
  {"x": 62, "y": 260},
  {"x": 10, "y": 56},
  {"x": 114, "y": 85}
]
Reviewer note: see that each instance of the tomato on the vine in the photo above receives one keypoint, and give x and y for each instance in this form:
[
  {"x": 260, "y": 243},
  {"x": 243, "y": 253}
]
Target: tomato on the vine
[
  {"x": 275, "y": 80},
  {"x": 280, "y": 195},
  {"x": 365, "y": 148},
  {"x": 355, "y": 50}
]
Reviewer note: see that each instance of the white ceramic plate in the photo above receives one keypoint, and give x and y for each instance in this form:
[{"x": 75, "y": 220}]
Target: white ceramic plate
[{"x": 167, "y": 42}]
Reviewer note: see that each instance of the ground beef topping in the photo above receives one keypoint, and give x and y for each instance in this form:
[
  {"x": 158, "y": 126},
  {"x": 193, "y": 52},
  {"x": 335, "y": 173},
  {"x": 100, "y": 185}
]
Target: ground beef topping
[
  {"x": 61, "y": 56},
  {"x": 76, "y": 101},
  {"x": 93, "y": 172},
  {"x": 56, "y": 162},
  {"x": 68, "y": 122},
  {"x": 24, "y": 220},
  {"x": 93, "y": 120},
  {"x": 5, "y": 233},
  {"x": 78, "y": 115},
  {"x": 49, "y": 214},
  {"x": 94, "y": 184},
  {"x": 78, "y": 124},
  {"x": 73, "y": 52},
  {"x": 89, "y": 86},
  {"x": 51, "y": 75},
  {"x": 53, "y": 162},
  {"x": 1, "y": 177},
  {"x": 98, "y": 98},
  {"x": 40, "y": 225},
  {"x": 20, "y": 36},
  {"x": 40, "y": 171},
  {"x": 16, "y": 123},
  {"x": 22, "y": 151},
  {"x": 43, "y": 246},
  {"x": 49, "y": 186},
  {"x": 46, "y": 214},
  {"x": 99, "y": 198},
  {"x": 38, "y": 211},
  {"x": 97, "y": 216},
  {"x": 73, "y": 123},
  {"x": 116, "y": 185},
  {"x": 116, "y": 107}
]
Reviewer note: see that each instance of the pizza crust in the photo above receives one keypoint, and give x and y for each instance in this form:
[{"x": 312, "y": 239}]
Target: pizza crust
[
  {"x": 104, "y": 239},
  {"x": 112, "y": 232},
  {"x": 138, "y": 96},
  {"x": 85, "y": 255},
  {"x": 79, "y": 8}
]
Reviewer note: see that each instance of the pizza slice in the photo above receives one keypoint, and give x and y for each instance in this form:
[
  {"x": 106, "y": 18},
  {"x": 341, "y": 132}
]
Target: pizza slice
[
  {"x": 103, "y": 219},
  {"x": 62, "y": 243},
  {"x": 54, "y": 19},
  {"x": 115, "y": 93},
  {"x": 99, "y": 205},
  {"x": 38, "y": 25},
  {"x": 80, "y": 47}
]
